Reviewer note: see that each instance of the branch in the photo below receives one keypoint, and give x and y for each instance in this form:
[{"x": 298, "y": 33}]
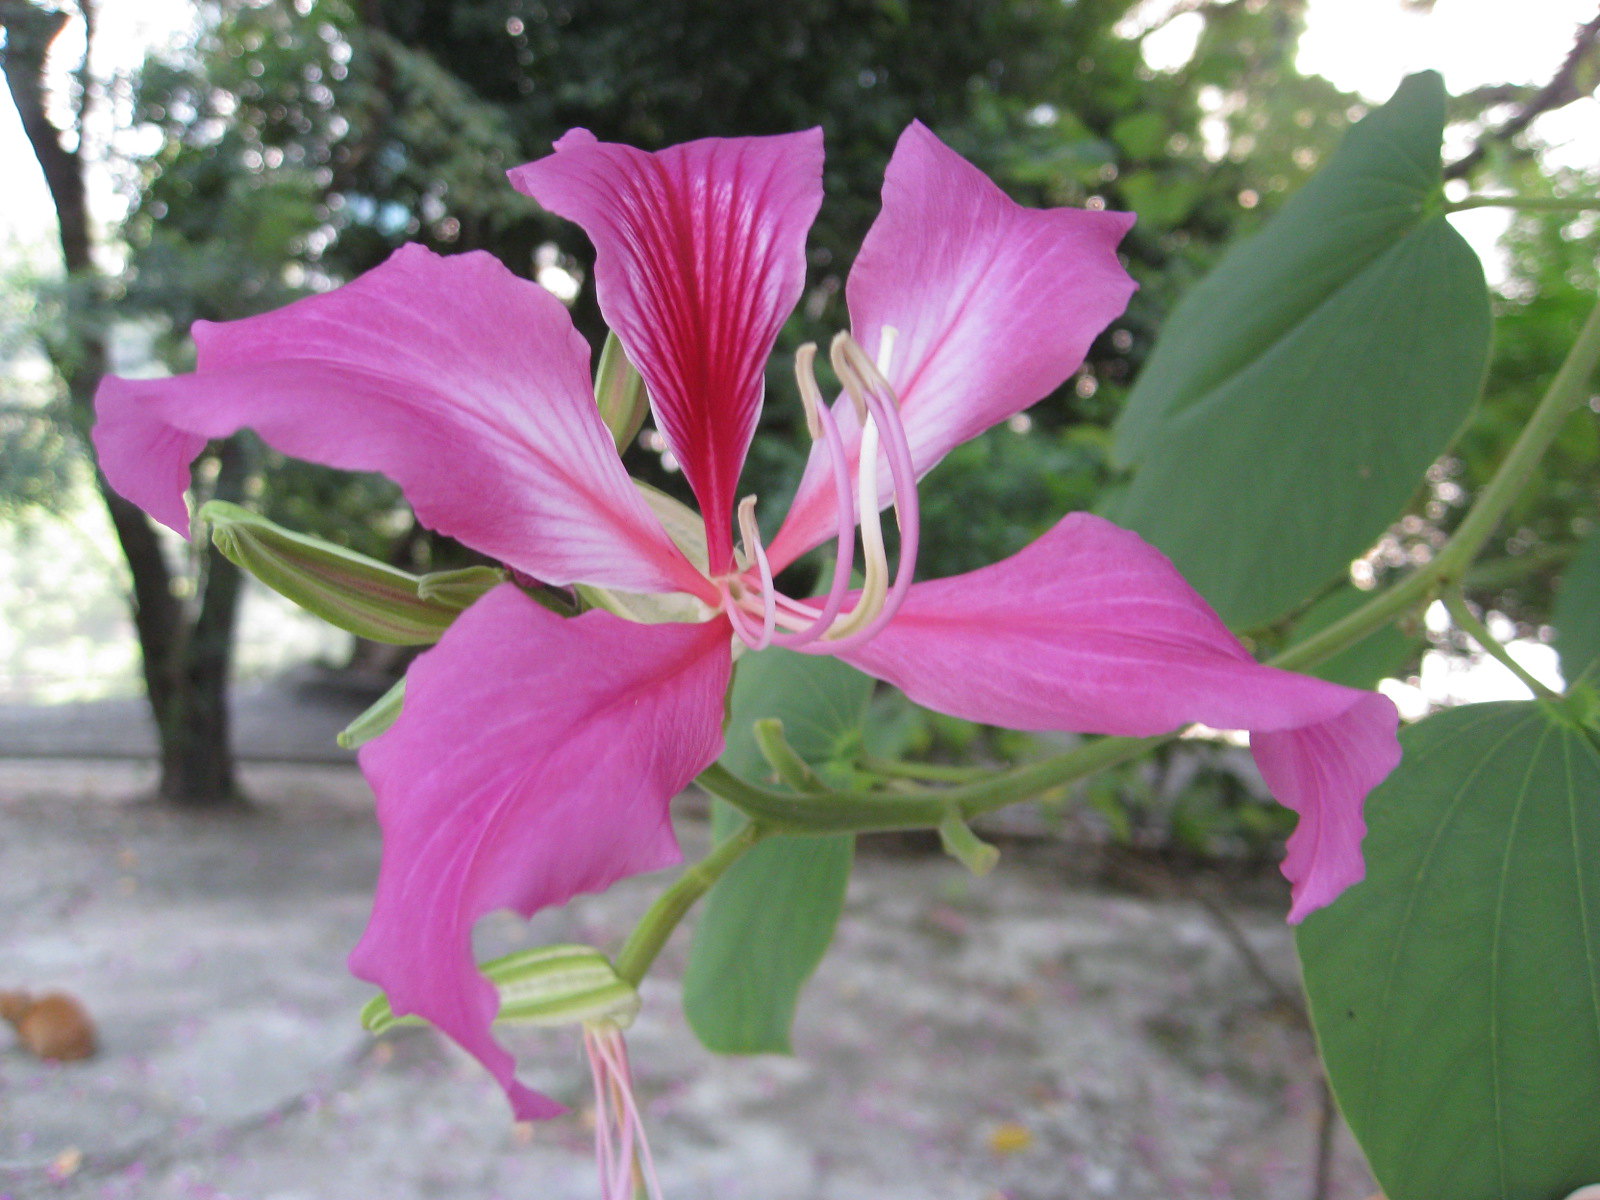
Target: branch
[
  {"x": 1573, "y": 81},
  {"x": 29, "y": 33}
]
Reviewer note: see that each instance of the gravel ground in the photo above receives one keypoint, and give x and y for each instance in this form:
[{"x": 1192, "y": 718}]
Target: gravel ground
[{"x": 1030, "y": 1036}]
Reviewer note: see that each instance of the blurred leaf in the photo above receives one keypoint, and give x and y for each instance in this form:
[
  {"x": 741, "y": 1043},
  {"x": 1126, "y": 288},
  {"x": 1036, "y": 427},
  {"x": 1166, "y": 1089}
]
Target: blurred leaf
[
  {"x": 768, "y": 921},
  {"x": 1382, "y": 654},
  {"x": 1456, "y": 992},
  {"x": 1577, "y": 613},
  {"x": 1298, "y": 393}
]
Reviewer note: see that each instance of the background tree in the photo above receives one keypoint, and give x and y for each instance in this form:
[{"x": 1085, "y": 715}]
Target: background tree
[
  {"x": 297, "y": 144},
  {"x": 185, "y": 641}
]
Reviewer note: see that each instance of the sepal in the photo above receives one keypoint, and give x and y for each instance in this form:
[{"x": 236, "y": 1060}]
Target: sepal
[{"x": 359, "y": 594}]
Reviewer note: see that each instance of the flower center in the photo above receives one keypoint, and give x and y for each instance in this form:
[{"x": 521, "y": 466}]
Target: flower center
[{"x": 761, "y": 615}]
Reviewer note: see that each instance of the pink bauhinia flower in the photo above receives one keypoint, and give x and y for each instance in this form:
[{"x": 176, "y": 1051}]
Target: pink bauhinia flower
[{"x": 536, "y": 756}]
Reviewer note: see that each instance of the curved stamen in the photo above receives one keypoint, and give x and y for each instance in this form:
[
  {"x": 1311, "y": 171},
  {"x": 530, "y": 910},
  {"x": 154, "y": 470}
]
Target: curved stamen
[
  {"x": 862, "y": 376},
  {"x": 621, "y": 1148},
  {"x": 820, "y": 423},
  {"x": 751, "y": 534}
]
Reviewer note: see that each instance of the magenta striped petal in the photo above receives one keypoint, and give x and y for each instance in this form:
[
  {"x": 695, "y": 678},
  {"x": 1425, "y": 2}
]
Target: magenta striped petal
[
  {"x": 1092, "y": 630},
  {"x": 700, "y": 256},
  {"x": 533, "y": 760},
  {"x": 993, "y": 305},
  {"x": 466, "y": 385}
]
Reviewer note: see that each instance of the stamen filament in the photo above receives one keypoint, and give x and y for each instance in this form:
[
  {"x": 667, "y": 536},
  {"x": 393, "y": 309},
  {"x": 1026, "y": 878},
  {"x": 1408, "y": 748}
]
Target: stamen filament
[
  {"x": 820, "y": 421},
  {"x": 621, "y": 1149},
  {"x": 861, "y": 375}
]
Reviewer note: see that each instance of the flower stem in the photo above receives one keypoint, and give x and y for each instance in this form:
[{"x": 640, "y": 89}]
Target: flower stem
[
  {"x": 658, "y": 922},
  {"x": 1576, "y": 204},
  {"x": 1467, "y": 621},
  {"x": 893, "y": 768},
  {"x": 920, "y": 808},
  {"x": 1560, "y": 400}
]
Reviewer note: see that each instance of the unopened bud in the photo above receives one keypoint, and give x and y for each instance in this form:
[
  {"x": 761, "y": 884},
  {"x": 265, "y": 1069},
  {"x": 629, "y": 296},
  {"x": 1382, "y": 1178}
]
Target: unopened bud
[
  {"x": 551, "y": 985},
  {"x": 459, "y": 589},
  {"x": 362, "y": 595},
  {"x": 383, "y": 712},
  {"x": 966, "y": 847},
  {"x": 620, "y": 392}
]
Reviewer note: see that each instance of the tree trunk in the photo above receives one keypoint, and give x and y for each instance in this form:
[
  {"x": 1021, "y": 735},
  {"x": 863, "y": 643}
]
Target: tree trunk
[
  {"x": 185, "y": 663},
  {"x": 197, "y": 768}
]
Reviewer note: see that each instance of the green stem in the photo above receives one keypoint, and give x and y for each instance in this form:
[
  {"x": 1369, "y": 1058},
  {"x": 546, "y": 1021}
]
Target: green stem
[
  {"x": 893, "y": 768},
  {"x": 1528, "y": 203},
  {"x": 921, "y": 808},
  {"x": 1565, "y": 393},
  {"x": 657, "y": 924},
  {"x": 1449, "y": 566},
  {"x": 785, "y": 761},
  {"x": 1467, "y": 621}
]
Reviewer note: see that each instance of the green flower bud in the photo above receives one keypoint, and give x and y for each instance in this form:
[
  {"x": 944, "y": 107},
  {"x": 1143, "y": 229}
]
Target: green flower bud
[
  {"x": 966, "y": 847},
  {"x": 369, "y": 598},
  {"x": 620, "y": 392},
  {"x": 551, "y": 985},
  {"x": 382, "y": 714},
  {"x": 459, "y": 589}
]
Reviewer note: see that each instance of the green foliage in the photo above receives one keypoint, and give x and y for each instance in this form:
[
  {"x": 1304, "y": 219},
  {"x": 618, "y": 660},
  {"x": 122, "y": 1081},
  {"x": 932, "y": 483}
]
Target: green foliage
[
  {"x": 768, "y": 921},
  {"x": 1577, "y": 614},
  {"x": 1553, "y": 276},
  {"x": 1456, "y": 992},
  {"x": 40, "y": 461},
  {"x": 1297, "y": 395}
]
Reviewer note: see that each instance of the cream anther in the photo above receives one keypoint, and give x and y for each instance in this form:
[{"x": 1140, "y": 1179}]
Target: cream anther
[
  {"x": 848, "y": 361},
  {"x": 750, "y": 533},
  {"x": 805, "y": 374}
]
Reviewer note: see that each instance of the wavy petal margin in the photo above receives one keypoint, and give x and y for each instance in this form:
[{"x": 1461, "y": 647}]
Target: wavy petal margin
[
  {"x": 700, "y": 256},
  {"x": 993, "y": 305},
  {"x": 1092, "y": 630},
  {"x": 533, "y": 760},
  {"x": 466, "y": 385}
]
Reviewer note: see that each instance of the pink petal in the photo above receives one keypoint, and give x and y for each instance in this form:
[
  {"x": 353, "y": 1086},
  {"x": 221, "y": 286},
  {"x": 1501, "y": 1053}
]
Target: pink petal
[
  {"x": 533, "y": 760},
  {"x": 1090, "y": 629},
  {"x": 465, "y": 384},
  {"x": 700, "y": 256},
  {"x": 1323, "y": 772},
  {"x": 994, "y": 306}
]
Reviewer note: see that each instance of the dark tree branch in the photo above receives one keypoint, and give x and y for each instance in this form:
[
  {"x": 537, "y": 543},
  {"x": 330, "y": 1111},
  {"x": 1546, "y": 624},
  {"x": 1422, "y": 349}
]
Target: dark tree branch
[
  {"x": 1577, "y": 77},
  {"x": 29, "y": 33}
]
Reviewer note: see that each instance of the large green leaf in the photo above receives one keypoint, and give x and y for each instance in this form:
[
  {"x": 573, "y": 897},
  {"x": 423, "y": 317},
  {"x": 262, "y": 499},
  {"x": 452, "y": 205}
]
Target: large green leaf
[
  {"x": 1577, "y": 614},
  {"x": 768, "y": 921},
  {"x": 1456, "y": 992},
  {"x": 1299, "y": 392}
]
